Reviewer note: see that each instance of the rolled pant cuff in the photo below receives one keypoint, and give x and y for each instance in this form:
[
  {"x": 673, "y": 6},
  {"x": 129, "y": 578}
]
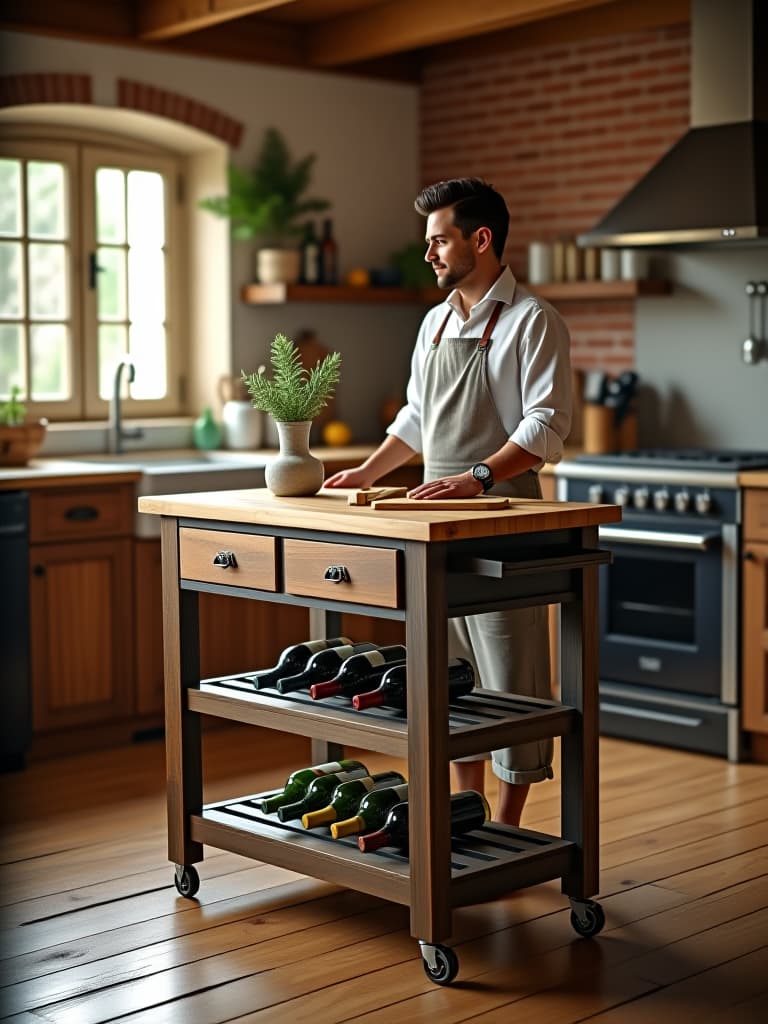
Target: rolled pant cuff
[{"x": 522, "y": 778}]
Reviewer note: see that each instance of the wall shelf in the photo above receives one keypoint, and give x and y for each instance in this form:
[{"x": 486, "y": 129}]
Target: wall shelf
[{"x": 567, "y": 291}]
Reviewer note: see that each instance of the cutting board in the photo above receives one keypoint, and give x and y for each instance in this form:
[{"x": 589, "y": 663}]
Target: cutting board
[
  {"x": 441, "y": 504},
  {"x": 367, "y": 495}
]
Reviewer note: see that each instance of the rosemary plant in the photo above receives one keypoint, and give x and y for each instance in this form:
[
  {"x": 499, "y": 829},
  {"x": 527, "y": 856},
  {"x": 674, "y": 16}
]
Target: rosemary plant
[{"x": 293, "y": 393}]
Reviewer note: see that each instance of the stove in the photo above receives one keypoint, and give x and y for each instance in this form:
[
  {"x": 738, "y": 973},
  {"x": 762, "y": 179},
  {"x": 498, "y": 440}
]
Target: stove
[{"x": 682, "y": 458}]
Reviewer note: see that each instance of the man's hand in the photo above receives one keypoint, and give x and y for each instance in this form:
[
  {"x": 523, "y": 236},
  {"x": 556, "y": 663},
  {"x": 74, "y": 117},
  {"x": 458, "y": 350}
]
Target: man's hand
[
  {"x": 462, "y": 486},
  {"x": 356, "y": 477}
]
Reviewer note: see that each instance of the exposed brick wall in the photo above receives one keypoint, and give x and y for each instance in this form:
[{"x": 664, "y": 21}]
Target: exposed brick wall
[
  {"x": 562, "y": 131},
  {"x": 152, "y": 100},
  {"x": 52, "y": 87}
]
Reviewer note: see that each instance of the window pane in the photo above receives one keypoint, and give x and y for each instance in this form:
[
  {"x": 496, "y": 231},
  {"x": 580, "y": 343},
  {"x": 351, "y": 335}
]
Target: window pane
[
  {"x": 46, "y": 204},
  {"x": 50, "y": 362},
  {"x": 113, "y": 345},
  {"x": 111, "y": 284},
  {"x": 146, "y": 297},
  {"x": 147, "y": 347},
  {"x": 11, "y": 280},
  {"x": 110, "y": 205},
  {"x": 48, "y": 286},
  {"x": 146, "y": 209},
  {"x": 12, "y": 359},
  {"x": 10, "y": 197}
]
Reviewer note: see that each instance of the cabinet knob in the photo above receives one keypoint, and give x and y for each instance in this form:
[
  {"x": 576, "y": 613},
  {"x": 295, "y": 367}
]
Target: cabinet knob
[
  {"x": 226, "y": 559},
  {"x": 337, "y": 574},
  {"x": 38, "y": 570},
  {"x": 750, "y": 556}
]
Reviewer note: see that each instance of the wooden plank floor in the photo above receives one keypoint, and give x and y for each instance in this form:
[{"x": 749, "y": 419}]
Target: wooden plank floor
[{"x": 93, "y": 930}]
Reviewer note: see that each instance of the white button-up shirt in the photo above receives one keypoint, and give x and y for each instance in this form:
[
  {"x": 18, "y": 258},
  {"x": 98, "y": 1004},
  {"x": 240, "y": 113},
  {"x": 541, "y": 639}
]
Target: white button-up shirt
[{"x": 529, "y": 369}]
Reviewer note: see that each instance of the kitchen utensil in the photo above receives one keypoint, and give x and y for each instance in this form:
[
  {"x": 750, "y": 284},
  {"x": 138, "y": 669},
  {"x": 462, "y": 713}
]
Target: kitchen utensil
[
  {"x": 753, "y": 346},
  {"x": 595, "y": 383},
  {"x": 442, "y": 504},
  {"x": 365, "y": 495},
  {"x": 619, "y": 394}
]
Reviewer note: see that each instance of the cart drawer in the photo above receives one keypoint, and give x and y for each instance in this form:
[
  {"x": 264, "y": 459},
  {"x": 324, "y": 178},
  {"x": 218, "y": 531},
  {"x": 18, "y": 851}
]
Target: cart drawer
[
  {"x": 234, "y": 559},
  {"x": 343, "y": 572}
]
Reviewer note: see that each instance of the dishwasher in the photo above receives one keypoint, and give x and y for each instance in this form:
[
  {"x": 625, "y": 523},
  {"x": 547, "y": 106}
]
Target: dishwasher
[{"x": 15, "y": 683}]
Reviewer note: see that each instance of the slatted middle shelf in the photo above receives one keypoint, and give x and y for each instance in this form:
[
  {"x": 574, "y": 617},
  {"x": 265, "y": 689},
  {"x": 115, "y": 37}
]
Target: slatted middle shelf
[
  {"x": 483, "y": 720},
  {"x": 485, "y": 863}
]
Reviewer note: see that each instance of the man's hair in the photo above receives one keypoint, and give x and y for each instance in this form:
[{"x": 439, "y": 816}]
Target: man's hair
[{"x": 476, "y": 204}]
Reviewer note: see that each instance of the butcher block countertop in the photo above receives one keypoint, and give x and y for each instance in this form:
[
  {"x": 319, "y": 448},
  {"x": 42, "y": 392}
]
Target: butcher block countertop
[
  {"x": 330, "y": 511},
  {"x": 754, "y": 478}
]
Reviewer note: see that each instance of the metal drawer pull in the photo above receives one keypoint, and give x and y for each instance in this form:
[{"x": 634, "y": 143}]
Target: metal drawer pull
[
  {"x": 653, "y": 716},
  {"x": 82, "y": 513},
  {"x": 226, "y": 559},
  {"x": 658, "y": 538},
  {"x": 337, "y": 574}
]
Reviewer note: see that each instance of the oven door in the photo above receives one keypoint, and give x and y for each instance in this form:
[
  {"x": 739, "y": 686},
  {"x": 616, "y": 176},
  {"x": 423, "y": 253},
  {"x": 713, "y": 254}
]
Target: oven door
[{"x": 661, "y": 607}]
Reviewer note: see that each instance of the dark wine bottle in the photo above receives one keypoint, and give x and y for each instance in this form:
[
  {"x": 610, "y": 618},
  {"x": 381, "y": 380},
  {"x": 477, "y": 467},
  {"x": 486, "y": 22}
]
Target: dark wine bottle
[
  {"x": 294, "y": 659},
  {"x": 321, "y": 666},
  {"x": 346, "y": 798},
  {"x": 319, "y": 792},
  {"x": 372, "y": 812},
  {"x": 393, "y": 686},
  {"x": 329, "y": 255},
  {"x": 310, "y": 256},
  {"x": 360, "y": 669},
  {"x": 469, "y": 810},
  {"x": 298, "y": 782}
]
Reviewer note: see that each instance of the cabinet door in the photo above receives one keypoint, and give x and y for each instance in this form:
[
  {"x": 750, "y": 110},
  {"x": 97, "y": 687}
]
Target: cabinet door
[
  {"x": 81, "y": 633},
  {"x": 755, "y": 638}
]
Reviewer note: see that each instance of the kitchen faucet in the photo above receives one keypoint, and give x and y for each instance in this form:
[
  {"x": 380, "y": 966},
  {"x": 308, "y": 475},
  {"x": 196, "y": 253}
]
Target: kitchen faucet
[{"x": 117, "y": 432}]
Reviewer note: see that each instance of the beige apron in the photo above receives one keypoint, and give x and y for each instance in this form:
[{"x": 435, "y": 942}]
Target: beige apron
[{"x": 460, "y": 426}]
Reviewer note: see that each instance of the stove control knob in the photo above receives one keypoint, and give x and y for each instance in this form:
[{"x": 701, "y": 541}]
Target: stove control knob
[
  {"x": 661, "y": 499},
  {"x": 596, "y": 493},
  {"x": 682, "y": 501},
  {"x": 641, "y": 497},
  {"x": 703, "y": 502},
  {"x": 622, "y": 496}
]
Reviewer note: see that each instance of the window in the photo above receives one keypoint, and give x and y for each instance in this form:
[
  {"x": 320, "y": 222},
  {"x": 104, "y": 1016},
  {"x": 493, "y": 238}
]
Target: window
[{"x": 88, "y": 266}]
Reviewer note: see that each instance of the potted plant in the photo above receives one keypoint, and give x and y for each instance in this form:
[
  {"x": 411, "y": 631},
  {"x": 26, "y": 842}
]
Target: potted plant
[
  {"x": 268, "y": 204},
  {"x": 293, "y": 396},
  {"x": 20, "y": 437}
]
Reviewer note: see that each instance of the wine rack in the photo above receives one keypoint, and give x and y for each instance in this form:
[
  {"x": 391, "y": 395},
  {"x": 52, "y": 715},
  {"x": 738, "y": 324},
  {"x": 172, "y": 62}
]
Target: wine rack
[{"x": 445, "y": 563}]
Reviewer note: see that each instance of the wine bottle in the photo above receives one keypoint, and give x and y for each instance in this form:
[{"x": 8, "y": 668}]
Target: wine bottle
[
  {"x": 360, "y": 669},
  {"x": 298, "y": 782},
  {"x": 372, "y": 812},
  {"x": 346, "y": 798},
  {"x": 469, "y": 810},
  {"x": 321, "y": 666},
  {"x": 329, "y": 254},
  {"x": 392, "y": 688},
  {"x": 319, "y": 792},
  {"x": 294, "y": 659},
  {"x": 310, "y": 256}
]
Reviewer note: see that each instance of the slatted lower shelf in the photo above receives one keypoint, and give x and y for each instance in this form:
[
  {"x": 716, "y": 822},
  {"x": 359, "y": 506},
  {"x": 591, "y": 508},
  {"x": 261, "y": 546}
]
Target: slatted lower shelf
[
  {"x": 485, "y": 863},
  {"x": 483, "y": 720}
]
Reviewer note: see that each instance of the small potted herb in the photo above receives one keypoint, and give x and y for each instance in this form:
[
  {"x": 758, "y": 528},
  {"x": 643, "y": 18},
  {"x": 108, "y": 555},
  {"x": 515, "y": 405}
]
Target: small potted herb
[{"x": 20, "y": 438}]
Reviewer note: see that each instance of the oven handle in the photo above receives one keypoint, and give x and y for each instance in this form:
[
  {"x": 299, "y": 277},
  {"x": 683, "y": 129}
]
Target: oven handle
[
  {"x": 658, "y": 538},
  {"x": 654, "y": 716}
]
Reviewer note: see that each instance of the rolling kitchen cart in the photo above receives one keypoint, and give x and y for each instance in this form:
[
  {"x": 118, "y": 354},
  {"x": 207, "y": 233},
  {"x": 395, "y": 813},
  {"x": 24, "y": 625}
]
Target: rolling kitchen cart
[{"x": 420, "y": 567}]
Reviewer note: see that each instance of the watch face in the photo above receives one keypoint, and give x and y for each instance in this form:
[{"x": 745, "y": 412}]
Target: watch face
[{"x": 481, "y": 472}]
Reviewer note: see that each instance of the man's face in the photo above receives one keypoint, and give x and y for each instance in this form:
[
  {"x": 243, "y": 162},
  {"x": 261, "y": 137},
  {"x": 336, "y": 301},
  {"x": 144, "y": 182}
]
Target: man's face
[{"x": 452, "y": 256}]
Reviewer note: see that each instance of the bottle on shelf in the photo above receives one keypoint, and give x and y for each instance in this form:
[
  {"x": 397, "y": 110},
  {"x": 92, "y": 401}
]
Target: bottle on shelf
[
  {"x": 392, "y": 690},
  {"x": 469, "y": 810},
  {"x": 329, "y": 255},
  {"x": 359, "y": 673},
  {"x": 346, "y": 798},
  {"x": 372, "y": 812},
  {"x": 310, "y": 255},
  {"x": 294, "y": 659},
  {"x": 320, "y": 791},
  {"x": 298, "y": 782},
  {"x": 322, "y": 666}
]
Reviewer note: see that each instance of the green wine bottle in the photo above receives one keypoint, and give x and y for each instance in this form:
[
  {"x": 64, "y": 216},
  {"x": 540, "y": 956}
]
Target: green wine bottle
[
  {"x": 298, "y": 783},
  {"x": 319, "y": 793},
  {"x": 469, "y": 810},
  {"x": 346, "y": 798},
  {"x": 372, "y": 812}
]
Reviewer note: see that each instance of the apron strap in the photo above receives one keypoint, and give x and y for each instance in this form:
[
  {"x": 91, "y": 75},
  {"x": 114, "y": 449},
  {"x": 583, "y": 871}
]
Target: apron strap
[
  {"x": 485, "y": 339},
  {"x": 441, "y": 328}
]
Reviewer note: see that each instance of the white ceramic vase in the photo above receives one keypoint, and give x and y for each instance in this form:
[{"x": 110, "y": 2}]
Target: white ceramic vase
[
  {"x": 278, "y": 266},
  {"x": 294, "y": 471}
]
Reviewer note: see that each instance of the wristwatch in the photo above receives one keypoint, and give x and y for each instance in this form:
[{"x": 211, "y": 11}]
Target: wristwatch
[{"x": 482, "y": 473}]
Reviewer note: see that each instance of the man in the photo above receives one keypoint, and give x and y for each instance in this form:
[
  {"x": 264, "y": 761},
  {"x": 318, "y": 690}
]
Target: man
[{"x": 488, "y": 402}]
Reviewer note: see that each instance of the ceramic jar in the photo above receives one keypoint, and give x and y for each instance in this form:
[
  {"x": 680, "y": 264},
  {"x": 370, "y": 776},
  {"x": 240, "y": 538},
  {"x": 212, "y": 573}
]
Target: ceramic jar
[{"x": 294, "y": 471}]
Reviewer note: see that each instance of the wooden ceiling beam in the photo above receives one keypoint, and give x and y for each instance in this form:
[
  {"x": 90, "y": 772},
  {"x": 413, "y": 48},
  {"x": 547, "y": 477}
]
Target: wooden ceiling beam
[
  {"x": 167, "y": 19},
  {"x": 402, "y": 25}
]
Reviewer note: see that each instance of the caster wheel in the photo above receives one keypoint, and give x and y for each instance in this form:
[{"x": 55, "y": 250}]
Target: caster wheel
[
  {"x": 441, "y": 964},
  {"x": 587, "y": 918},
  {"x": 186, "y": 880}
]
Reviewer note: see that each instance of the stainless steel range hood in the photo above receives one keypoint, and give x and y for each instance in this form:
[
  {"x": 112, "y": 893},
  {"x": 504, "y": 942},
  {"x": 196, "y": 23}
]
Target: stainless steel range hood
[{"x": 711, "y": 187}]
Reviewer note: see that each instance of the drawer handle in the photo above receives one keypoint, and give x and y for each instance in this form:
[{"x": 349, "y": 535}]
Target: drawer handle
[
  {"x": 337, "y": 574},
  {"x": 82, "y": 513},
  {"x": 226, "y": 559}
]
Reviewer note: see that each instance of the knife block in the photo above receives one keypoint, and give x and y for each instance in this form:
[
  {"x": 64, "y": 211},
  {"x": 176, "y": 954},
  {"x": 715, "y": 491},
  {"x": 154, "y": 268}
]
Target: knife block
[{"x": 602, "y": 434}]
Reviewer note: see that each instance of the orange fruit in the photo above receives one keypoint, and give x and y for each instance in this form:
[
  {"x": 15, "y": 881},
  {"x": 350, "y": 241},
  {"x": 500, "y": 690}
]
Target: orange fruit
[
  {"x": 336, "y": 433},
  {"x": 358, "y": 277}
]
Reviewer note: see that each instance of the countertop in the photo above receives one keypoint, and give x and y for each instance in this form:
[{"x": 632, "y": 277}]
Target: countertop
[{"x": 754, "y": 478}]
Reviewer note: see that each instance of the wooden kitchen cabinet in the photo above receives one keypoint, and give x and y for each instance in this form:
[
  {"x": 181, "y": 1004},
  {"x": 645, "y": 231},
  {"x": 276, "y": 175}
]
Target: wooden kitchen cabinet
[
  {"x": 755, "y": 621},
  {"x": 80, "y": 605}
]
